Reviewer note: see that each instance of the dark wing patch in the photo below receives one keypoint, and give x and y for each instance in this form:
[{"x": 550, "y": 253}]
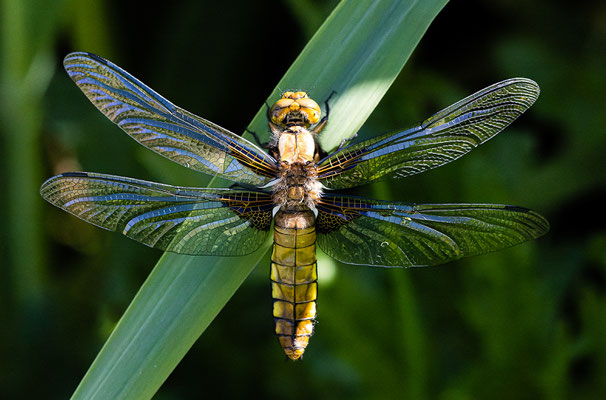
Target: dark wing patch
[{"x": 183, "y": 220}]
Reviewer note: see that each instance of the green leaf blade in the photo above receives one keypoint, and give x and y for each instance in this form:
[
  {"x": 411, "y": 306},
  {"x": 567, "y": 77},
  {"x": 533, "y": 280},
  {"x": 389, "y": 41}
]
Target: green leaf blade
[{"x": 176, "y": 303}]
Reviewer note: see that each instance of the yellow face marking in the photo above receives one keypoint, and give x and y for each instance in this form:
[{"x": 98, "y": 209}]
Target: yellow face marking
[{"x": 296, "y": 106}]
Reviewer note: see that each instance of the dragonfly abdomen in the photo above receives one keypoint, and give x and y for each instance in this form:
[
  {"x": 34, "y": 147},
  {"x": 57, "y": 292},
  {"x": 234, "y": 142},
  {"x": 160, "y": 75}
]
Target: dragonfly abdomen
[{"x": 294, "y": 279}]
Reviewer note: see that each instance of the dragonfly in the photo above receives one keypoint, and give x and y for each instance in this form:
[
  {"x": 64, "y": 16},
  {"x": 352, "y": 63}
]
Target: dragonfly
[{"x": 290, "y": 182}]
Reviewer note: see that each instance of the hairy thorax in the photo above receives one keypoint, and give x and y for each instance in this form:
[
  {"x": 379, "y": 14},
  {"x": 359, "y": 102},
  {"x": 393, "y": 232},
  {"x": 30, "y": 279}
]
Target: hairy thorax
[{"x": 297, "y": 187}]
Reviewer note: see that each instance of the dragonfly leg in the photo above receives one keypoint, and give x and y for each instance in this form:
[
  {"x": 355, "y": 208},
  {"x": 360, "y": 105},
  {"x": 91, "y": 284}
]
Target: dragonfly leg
[
  {"x": 346, "y": 141},
  {"x": 324, "y": 120},
  {"x": 326, "y": 103},
  {"x": 264, "y": 145}
]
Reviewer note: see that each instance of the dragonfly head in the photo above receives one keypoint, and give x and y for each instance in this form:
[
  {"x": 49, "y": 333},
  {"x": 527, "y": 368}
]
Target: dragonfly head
[{"x": 295, "y": 108}]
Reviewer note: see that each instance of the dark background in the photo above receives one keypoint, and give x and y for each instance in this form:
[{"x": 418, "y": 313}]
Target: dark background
[{"x": 527, "y": 322}]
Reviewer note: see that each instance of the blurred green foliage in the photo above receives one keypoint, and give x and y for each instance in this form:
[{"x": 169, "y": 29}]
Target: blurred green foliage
[{"x": 528, "y": 322}]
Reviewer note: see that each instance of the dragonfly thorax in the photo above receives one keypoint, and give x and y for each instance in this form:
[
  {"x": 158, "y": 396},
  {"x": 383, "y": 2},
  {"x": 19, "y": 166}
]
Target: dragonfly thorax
[
  {"x": 296, "y": 145},
  {"x": 297, "y": 187}
]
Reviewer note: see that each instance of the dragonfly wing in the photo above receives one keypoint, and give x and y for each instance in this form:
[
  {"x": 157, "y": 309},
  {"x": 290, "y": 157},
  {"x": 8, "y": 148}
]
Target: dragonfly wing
[
  {"x": 168, "y": 130},
  {"x": 444, "y": 137},
  {"x": 390, "y": 234},
  {"x": 183, "y": 220}
]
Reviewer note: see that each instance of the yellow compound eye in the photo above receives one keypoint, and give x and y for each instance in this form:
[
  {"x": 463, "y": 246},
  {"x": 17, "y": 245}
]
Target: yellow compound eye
[
  {"x": 280, "y": 109},
  {"x": 310, "y": 108},
  {"x": 299, "y": 95},
  {"x": 294, "y": 95}
]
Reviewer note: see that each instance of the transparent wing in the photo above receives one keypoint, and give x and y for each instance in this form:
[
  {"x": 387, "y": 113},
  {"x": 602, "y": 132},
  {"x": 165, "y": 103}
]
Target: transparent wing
[
  {"x": 390, "y": 234},
  {"x": 444, "y": 137},
  {"x": 179, "y": 219},
  {"x": 165, "y": 128}
]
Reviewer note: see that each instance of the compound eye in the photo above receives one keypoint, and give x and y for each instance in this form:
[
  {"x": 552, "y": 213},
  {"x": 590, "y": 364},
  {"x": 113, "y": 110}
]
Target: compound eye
[
  {"x": 282, "y": 103},
  {"x": 280, "y": 109},
  {"x": 311, "y": 109}
]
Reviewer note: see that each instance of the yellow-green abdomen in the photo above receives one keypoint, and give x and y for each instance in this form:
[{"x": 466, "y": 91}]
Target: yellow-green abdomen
[{"x": 294, "y": 279}]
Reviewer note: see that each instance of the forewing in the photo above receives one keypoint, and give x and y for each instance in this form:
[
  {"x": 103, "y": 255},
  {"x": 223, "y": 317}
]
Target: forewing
[
  {"x": 390, "y": 234},
  {"x": 444, "y": 137},
  {"x": 183, "y": 220},
  {"x": 165, "y": 128}
]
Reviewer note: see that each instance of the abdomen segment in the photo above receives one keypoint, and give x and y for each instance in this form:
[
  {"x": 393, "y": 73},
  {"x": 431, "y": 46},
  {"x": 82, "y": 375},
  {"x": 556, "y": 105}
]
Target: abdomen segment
[{"x": 294, "y": 279}]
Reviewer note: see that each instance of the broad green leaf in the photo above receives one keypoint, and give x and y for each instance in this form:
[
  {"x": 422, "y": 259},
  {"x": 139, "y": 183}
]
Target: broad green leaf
[{"x": 356, "y": 53}]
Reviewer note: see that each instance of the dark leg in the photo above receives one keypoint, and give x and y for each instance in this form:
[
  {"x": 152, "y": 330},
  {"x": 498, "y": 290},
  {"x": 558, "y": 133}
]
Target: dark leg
[
  {"x": 255, "y": 135},
  {"x": 257, "y": 140},
  {"x": 324, "y": 120},
  {"x": 345, "y": 141},
  {"x": 326, "y": 103}
]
